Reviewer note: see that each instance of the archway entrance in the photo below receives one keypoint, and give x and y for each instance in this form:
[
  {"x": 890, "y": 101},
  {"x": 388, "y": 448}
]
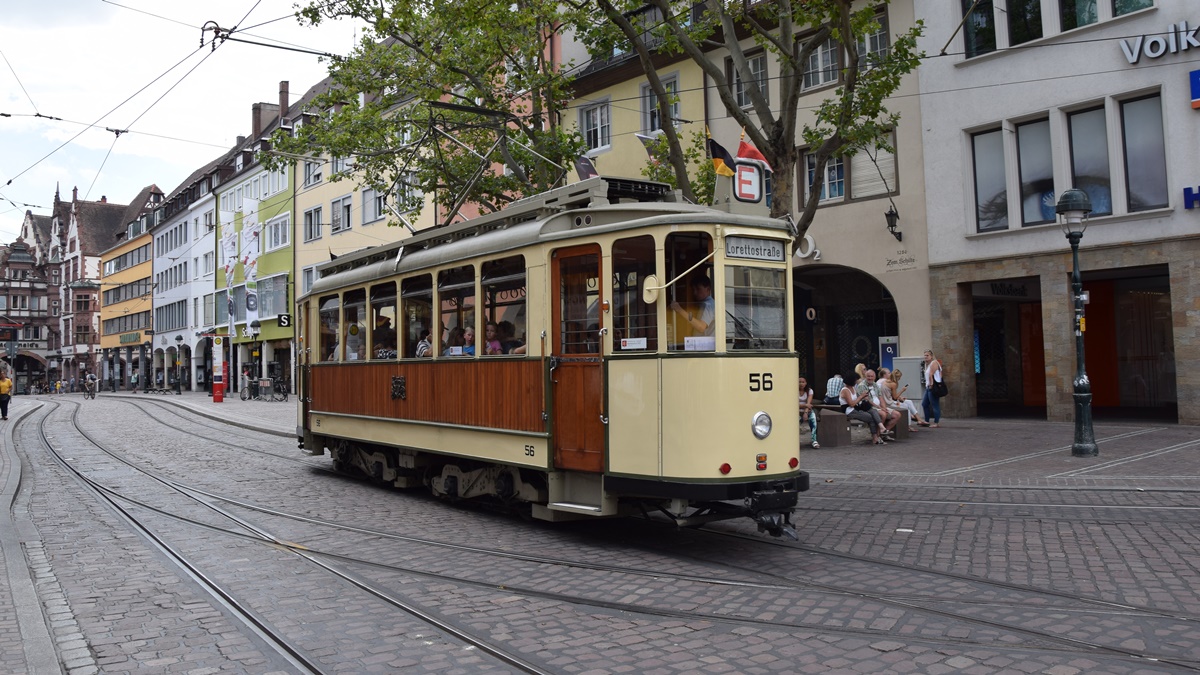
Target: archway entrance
[{"x": 841, "y": 314}]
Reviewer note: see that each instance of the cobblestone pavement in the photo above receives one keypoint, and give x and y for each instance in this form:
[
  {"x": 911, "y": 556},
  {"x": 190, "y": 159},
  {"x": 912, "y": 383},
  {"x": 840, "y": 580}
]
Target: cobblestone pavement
[{"x": 994, "y": 517}]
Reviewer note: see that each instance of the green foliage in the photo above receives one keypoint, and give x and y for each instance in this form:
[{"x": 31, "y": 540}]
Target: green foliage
[
  {"x": 375, "y": 108},
  {"x": 700, "y": 168}
]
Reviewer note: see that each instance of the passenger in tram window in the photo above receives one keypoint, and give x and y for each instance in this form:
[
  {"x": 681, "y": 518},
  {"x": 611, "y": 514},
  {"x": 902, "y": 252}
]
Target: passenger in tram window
[
  {"x": 702, "y": 321},
  {"x": 468, "y": 342},
  {"x": 383, "y": 337},
  {"x": 356, "y": 344},
  {"x": 425, "y": 347},
  {"x": 454, "y": 342},
  {"x": 506, "y": 333},
  {"x": 491, "y": 339}
]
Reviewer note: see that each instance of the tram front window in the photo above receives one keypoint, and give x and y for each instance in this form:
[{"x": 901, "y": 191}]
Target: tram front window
[{"x": 755, "y": 308}]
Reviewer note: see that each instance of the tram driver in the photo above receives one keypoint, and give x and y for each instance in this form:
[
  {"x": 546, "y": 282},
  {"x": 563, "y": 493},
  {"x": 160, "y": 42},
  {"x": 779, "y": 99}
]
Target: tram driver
[{"x": 703, "y": 321}]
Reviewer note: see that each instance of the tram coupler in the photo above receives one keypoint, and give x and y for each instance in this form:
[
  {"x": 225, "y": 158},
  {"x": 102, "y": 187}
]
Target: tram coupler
[{"x": 776, "y": 524}]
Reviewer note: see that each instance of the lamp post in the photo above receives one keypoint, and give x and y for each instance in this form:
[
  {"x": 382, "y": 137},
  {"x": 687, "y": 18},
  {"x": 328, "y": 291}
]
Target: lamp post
[
  {"x": 1074, "y": 206},
  {"x": 178, "y": 358},
  {"x": 147, "y": 368}
]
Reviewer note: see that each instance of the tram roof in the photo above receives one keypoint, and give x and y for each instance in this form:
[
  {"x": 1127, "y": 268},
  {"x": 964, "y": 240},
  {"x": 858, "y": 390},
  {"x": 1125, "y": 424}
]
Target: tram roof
[{"x": 563, "y": 213}]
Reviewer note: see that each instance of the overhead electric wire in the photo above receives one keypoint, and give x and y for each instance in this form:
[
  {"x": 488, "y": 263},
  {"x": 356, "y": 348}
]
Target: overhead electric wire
[{"x": 22, "y": 84}]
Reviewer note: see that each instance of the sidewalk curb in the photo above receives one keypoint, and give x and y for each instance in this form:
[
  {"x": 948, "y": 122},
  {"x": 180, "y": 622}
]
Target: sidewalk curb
[{"x": 36, "y": 643}]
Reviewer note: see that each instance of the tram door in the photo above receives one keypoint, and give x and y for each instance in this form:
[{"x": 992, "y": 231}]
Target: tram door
[{"x": 576, "y": 371}]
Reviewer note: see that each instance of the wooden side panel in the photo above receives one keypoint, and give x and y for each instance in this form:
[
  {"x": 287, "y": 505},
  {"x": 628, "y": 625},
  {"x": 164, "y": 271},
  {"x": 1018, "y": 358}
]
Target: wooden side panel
[
  {"x": 490, "y": 393},
  {"x": 578, "y": 429}
]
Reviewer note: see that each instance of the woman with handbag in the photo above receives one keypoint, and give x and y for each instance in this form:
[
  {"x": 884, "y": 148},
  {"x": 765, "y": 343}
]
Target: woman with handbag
[
  {"x": 930, "y": 400},
  {"x": 6, "y": 385}
]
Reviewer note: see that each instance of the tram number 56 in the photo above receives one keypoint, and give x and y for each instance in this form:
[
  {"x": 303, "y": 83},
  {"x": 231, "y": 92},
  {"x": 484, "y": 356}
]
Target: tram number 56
[
  {"x": 529, "y": 451},
  {"x": 761, "y": 382}
]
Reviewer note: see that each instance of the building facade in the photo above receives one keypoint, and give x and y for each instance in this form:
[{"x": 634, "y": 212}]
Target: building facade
[
  {"x": 126, "y": 297},
  {"x": 1032, "y": 100},
  {"x": 861, "y": 292}
]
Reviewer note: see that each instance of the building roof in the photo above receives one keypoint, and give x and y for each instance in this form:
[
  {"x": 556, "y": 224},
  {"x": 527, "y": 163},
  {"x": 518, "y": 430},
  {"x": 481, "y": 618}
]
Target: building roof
[{"x": 96, "y": 223}]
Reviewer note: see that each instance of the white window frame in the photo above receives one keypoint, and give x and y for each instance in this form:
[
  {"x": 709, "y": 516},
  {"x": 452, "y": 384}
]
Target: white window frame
[
  {"x": 827, "y": 196},
  {"x": 597, "y": 117},
  {"x": 758, "y": 67},
  {"x": 278, "y": 232},
  {"x": 824, "y": 66},
  {"x": 312, "y": 173},
  {"x": 650, "y": 121},
  {"x": 341, "y": 211},
  {"x": 312, "y": 224}
]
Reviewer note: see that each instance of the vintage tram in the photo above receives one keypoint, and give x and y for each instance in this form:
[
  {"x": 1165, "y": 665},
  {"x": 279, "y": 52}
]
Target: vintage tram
[{"x": 592, "y": 351}]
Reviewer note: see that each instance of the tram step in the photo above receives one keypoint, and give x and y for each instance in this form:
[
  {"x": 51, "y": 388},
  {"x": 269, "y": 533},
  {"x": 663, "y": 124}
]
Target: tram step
[{"x": 575, "y": 508}]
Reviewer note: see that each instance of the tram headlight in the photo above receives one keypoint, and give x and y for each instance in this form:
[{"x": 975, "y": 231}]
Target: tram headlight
[{"x": 761, "y": 425}]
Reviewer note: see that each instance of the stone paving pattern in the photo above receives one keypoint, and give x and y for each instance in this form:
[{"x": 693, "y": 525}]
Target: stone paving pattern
[{"x": 120, "y": 588}]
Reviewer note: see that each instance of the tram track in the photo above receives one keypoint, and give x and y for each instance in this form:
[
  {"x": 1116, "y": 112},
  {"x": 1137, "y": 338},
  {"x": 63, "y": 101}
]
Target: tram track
[
  {"x": 1046, "y": 641},
  {"x": 297, "y": 655}
]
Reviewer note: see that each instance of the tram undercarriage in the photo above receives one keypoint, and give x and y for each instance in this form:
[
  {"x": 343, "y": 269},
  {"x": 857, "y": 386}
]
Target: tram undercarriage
[{"x": 558, "y": 496}]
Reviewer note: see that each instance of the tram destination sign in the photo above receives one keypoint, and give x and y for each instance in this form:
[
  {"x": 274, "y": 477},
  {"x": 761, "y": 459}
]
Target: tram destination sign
[{"x": 754, "y": 249}]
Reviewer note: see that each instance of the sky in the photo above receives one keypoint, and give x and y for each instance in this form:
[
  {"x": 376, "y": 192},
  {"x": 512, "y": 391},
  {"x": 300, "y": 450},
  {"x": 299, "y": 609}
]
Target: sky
[{"x": 136, "y": 66}]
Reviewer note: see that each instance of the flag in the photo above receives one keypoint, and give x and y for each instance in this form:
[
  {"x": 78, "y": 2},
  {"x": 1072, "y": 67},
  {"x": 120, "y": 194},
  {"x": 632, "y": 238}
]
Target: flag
[
  {"x": 722, "y": 162},
  {"x": 649, "y": 142},
  {"x": 585, "y": 168},
  {"x": 748, "y": 151}
]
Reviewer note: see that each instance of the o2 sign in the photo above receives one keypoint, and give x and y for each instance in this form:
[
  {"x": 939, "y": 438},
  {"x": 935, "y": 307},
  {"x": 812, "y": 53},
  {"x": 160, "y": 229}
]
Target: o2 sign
[{"x": 748, "y": 182}]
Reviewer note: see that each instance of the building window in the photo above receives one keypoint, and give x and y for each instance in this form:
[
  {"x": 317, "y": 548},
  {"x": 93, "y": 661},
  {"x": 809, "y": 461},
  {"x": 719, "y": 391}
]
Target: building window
[
  {"x": 873, "y": 48},
  {"x": 312, "y": 173},
  {"x": 339, "y": 214},
  {"x": 312, "y": 224},
  {"x": 340, "y": 165},
  {"x": 209, "y": 263},
  {"x": 991, "y": 190},
  {"x": 596, "y": 128},
  {"x": 1089, "y": 158},
  {"x": 1145, "y": 153},
  {"x": 873, "y": 172},
  {"x": 1024, "y": 21},
  {"x": 1037, "y": 173},
  {"x": 650, "y": 115},
  {"x": 409, "y": 193},
  {"x": 278, "y": 233},
  {"x": 979, "y": 28},
  {"x": 373, "y": 205},
  {"x": 306, "y": 279},
  {"x": 1122, "y": 7},
  {"x": 758, "y": 73},
  {"x": 832, "y": 182},
  {"x": 1075, "y": 13},
  {"x": 822, "y": 66}
]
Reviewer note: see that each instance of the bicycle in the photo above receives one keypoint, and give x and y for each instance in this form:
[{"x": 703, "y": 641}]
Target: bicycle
[{"x": 89, "y": 390}]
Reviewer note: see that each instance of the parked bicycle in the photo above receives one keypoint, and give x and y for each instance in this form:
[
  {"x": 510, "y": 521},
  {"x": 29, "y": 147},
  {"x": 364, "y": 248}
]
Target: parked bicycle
[{"x": 263, "y": 389}]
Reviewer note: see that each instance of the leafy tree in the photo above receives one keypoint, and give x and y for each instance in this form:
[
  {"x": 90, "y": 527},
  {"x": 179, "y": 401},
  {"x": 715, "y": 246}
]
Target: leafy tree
[
  {"x": 853, "y": 118},
  {"x": 700, "y": 172},
  {"x": 455, "y": 97}
]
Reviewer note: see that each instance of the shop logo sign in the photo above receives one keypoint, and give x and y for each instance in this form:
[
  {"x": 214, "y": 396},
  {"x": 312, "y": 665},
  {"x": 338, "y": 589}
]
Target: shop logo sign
[{"x": 1178, "y": 38}]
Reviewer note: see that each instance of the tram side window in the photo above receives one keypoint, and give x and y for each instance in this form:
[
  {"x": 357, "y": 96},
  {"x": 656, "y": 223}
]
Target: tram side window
[
  {"x": 579, "y": 308},
  {"x": 756, "y": 308},
  {"x": 383, "y": 321},
  {"x": 417, "y": 296},
  {"x": 456, "y": 297},
  {"x": 354, "y": 314},
  {"x": 503, "y": 307},
  {"x": 329, "y": 317},
  {"x": 691, "y": 315},
  {"x": 634, "y": 325}
]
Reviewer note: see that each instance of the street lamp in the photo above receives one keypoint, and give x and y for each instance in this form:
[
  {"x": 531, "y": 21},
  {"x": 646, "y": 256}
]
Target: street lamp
[
  {"x": 178, "y": 359},
  {"x": 147, "y": 368},
  {"x": 893, "y": 219},
  {"x": 1074, "y": 206}
]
